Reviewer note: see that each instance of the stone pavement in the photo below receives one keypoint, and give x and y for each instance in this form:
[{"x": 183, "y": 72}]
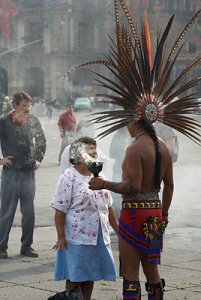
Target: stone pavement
[{"x": 32, "y": 278}]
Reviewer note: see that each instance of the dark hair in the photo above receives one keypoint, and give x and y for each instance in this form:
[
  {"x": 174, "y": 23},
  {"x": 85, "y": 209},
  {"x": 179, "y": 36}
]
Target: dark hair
[
  {"x": 19, "y": 97},
  {"x": 87, "y": 140},
  {"x": 151, "y": 131}
]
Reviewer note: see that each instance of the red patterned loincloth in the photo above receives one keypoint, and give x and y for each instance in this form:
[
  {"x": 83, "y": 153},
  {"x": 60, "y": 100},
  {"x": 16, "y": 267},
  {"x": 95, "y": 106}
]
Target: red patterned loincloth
[{"x": 134, "y": 224}]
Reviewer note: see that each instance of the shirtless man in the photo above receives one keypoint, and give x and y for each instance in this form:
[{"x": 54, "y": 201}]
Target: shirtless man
[
  {"x": 146, "y": 164},
  {"x": 145, "y": 89}
]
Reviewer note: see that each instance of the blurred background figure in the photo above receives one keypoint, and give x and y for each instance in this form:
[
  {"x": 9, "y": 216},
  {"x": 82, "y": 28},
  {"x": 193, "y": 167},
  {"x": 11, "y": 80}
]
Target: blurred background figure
[
  {"x": 50, "y": 108},
  {"x": 168, "y": 135},
  {"x": 83, "y": 130},
  {"x": 119, "y": 142},
  {"x": 6, "y": 106},
  {"x": 67, "y": 126}
]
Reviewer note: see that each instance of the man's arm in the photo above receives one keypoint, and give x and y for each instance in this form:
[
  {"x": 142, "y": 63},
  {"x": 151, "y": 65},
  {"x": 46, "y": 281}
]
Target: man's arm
[
  {"x": 60, "y": 126},
  {"x": 40, "y": 142},
  {"x": 167, "y": 191},
  {"x": 62, "y": 132},
  {"x": 131, "y": 168},
  {"x": 125, "y": 187}
]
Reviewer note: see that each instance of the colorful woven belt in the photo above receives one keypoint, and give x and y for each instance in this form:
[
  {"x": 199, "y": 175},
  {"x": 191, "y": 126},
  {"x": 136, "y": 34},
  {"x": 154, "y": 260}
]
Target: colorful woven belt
[
  {"x": 141, "y": 204},
  {"x": 143, "y": 196}
]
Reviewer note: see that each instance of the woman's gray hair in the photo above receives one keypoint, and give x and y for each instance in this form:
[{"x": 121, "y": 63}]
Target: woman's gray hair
[{"x": 75, "y": 152}]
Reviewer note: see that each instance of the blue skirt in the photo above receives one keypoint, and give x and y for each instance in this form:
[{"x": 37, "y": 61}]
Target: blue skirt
[{"x": 79, "y": 263}]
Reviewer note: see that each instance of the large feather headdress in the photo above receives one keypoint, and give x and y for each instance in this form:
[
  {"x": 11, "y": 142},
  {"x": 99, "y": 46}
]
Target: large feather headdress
[{"x": 145, "y": 88}]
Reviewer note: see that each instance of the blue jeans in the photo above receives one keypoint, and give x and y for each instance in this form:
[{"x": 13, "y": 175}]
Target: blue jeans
[{"x": 15, "y": 186}]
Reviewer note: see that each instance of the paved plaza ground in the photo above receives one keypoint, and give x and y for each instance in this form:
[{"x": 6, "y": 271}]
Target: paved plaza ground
[{"x": 32, "y": 278}]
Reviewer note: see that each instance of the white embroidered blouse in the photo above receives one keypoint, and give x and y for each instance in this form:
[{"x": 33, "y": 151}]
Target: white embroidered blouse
[{"x": 85, "y": 209}]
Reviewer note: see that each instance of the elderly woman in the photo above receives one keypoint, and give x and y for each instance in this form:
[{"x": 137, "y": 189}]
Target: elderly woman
[{"x": 82, "y": 218}]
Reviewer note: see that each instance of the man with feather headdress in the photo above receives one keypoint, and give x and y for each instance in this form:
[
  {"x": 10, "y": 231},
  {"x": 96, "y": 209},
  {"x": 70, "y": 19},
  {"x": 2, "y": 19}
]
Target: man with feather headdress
[{"x": 146, "y": 91}]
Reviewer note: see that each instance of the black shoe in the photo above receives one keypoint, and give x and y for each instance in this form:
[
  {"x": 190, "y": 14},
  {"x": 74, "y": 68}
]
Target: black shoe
[
  {"x": 3, "y": 254},
  {"x": 59, "y": 296},
  {"x": 29, "y": 252},
  {"x": 74, "y": 294}
]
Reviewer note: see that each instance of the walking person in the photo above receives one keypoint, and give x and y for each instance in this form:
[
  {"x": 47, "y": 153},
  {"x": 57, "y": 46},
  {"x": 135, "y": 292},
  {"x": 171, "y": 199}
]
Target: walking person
[
  {"x": 23, "y": 147},
  {"x": 67, "y": 125},
  {"x": 82, "y": 218}
]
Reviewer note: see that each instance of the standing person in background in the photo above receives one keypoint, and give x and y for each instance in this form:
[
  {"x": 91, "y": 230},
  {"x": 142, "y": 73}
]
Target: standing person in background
[
  {"x": 119, "y": 143},
  {"x": 23, "y": 147},
  {"x": 6, "y": 106},
  {"x": 167, "y": 134},
  {"x": 82, "y": 217},
  {"x": 67, "y": 125}
]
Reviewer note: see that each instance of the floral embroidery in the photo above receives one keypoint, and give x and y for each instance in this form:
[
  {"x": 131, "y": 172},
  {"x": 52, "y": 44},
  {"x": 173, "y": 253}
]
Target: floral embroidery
[{"x": 85, "y": 209}]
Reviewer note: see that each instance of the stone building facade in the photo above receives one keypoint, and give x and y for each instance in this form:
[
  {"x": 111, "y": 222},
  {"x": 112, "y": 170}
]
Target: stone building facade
[{"x": 46, "y": 38}]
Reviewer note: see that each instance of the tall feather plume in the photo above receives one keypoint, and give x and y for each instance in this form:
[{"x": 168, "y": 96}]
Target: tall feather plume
[
  {"x": 132, "y": 26},
  {"x": 148, "y": 39},
  {"x": 158, "y": 60},
  {"x": 182, "y": 34},
  {"x": 141, "y": 86},
  {"x": 182, "y": 76},
  {"x": 174, "y": 50}
]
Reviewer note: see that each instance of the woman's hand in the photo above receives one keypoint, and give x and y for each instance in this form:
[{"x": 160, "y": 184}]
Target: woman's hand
[{"x": 60, "y": 244}]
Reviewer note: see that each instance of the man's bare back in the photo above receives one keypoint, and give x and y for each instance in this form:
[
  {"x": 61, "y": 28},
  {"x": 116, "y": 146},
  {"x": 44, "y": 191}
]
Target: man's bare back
[{"x": 139, "y": 163}]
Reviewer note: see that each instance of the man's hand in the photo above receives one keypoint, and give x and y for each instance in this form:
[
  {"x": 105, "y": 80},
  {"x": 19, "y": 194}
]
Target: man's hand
[
  {"x": 96, "y": 183},
  {"x": 165, "y": 219},
  {"x": 60, "y": 244},
  {"x": 36, "y": 165},
  {"x": 62, "y": 134},
  {"x": 7, "y": 161}
]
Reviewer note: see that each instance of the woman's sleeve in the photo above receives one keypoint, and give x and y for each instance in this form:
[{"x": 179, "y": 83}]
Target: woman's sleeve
[{"x": 63, "y": 193}]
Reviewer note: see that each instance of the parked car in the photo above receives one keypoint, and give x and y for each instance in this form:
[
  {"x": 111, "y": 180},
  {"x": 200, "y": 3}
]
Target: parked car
[{"x": 82, "y": 104}]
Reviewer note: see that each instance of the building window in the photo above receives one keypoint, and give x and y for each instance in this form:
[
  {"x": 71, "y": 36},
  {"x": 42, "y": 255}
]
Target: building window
[{"x": 34, "y": 33}]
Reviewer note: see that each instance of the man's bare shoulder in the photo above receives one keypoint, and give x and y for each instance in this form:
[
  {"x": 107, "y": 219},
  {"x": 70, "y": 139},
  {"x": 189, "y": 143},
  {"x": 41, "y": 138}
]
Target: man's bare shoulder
[
  {"x": 165, "y": 153},
  {"x": 133, "y": 149},
  {"x": 162, "y": 145}
]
